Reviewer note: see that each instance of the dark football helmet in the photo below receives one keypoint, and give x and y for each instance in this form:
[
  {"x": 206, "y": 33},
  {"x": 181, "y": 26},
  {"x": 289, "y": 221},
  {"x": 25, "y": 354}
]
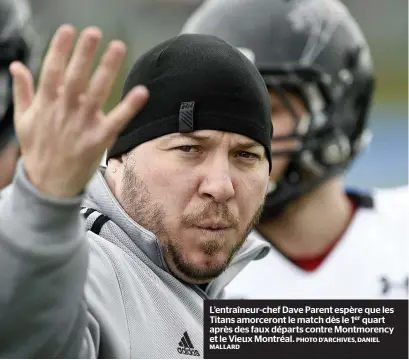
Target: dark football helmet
[
  {"x": 315, "y": 49},
  {"x": 17, "y": 40}
]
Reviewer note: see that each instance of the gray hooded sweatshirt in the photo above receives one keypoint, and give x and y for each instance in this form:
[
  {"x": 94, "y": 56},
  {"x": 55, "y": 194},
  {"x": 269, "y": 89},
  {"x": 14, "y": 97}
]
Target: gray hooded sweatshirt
[{"x": 69, "y": 292}]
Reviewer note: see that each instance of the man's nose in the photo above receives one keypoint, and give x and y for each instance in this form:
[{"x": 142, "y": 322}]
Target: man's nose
[{"x": 217, "y": 181}]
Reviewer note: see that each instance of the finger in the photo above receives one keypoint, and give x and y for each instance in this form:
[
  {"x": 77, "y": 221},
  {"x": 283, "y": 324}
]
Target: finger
[
  {"x": 104, "y": 77},
  {"x": 79, "y": 69},
  {"x": 55, "y": 61},
  {"x": 23, "y": 88},
  {"x": 118, "y": 117}
]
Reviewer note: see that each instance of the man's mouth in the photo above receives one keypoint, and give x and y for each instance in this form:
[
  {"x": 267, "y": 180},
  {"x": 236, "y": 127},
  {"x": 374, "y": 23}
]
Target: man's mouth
[{"x": 214, "y": 227}]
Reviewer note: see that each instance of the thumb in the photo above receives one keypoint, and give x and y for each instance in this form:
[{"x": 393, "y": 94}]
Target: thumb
[{"x": 23, "y": 89}]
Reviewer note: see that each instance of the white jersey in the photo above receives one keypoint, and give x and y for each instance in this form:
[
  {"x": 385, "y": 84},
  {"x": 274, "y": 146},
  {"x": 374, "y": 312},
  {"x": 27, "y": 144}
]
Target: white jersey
[{"x": 369, "y": 262}]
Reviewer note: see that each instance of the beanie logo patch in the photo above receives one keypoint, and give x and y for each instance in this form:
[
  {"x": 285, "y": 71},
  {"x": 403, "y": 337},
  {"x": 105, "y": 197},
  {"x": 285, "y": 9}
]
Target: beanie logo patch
[{"x": 186, "y": 117}]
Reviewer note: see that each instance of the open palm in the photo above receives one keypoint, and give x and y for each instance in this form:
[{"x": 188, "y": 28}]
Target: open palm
[{"x": 62, "y": 129}]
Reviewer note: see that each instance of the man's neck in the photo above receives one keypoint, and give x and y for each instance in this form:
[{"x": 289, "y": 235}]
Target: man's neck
[{"x": 309, "y": 227}]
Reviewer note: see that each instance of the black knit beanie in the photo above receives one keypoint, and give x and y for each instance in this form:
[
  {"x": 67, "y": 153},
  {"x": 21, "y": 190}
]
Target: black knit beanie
[{"x": 197, "y": 82}]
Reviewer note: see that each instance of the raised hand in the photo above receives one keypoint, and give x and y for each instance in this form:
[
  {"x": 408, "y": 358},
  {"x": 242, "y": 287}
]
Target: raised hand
[{"x": 61, "y": 128}]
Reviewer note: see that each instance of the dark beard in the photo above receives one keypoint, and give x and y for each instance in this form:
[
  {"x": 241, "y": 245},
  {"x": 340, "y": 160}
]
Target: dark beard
[
  {"x": 137, "y": 202},
  {"x": 192, "y": 272}
]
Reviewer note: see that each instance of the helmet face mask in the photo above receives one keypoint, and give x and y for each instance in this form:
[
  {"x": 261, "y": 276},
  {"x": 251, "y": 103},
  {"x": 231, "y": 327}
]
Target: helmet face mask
[
  {"x": 322, "y": 147},
  {"x": 314, "y": 102},
  {"x": 303, "y": 100}
]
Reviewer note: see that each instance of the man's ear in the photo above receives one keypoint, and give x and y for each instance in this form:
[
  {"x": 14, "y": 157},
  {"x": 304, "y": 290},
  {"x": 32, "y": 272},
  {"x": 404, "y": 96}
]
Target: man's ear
[
  {"x": 123, "y": 157},
  {"x": 115, "y": 162}
]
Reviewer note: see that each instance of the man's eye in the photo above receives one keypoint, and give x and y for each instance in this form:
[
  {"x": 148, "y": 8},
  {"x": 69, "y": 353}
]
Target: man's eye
[
  {"x": 188, "y": 148},
  {"x": 248, "y": 155}
]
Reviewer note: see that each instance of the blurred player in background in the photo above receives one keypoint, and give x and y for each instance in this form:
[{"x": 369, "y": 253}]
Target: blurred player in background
[
  {"x": 16, "y": 42},
  {"x": 327, "y": 242}
]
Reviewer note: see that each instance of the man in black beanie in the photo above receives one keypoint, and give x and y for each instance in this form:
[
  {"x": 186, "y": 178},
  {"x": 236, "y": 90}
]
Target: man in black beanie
[{"x": 165, "y": 222}]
